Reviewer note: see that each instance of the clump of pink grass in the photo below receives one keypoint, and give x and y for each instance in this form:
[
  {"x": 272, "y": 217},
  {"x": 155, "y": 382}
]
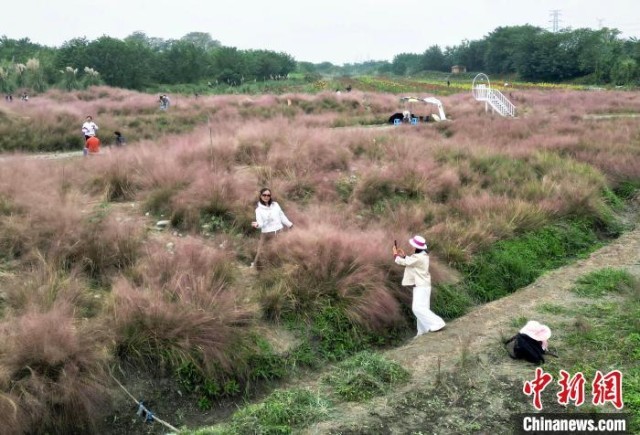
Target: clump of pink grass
[{"x": 52, "y": 373}]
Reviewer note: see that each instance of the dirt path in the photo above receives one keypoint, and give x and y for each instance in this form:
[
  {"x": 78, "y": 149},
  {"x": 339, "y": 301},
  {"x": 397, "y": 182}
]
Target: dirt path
[
  {"x": 480, "y": 332},
  {"x": 488, "y": 323}
]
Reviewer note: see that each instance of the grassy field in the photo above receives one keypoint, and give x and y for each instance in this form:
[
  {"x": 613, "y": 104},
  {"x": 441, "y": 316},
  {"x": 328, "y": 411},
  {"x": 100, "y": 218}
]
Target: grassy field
[{"x": 91, "y": 287}]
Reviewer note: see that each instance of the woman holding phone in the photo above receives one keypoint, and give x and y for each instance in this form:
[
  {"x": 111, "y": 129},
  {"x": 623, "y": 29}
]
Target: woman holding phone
[{"x": 416, "y": 274}]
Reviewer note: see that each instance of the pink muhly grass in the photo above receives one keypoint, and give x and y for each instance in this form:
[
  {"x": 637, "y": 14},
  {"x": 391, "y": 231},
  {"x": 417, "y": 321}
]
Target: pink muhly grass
[
  {"x": 52, "y": 372},
  {"x": 14, "y": 236},
  {"x": 46, "y": 288},
  {"x": 186, "y": 266},
  {"x": 408, "y": 217},
  {"x": 158, "y": 330},
  {"x": 503, "y": 217},
  {"x": 114, "y": 180},
  {"x": 378, "y": 187},
  {"x": 214, "y": 194},
  {"x": 456, "y": 241},
  {"x": 301, "y": 151},
  {"x": 307, "y": 270},
  {"x": 111, "y": 246},
  {"x": 43, "y": 224},
  {"x": 98, "y": 246}
]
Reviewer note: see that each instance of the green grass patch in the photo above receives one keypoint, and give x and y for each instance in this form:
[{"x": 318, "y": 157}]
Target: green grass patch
[
  {"x": 511, "y": 264},
  {"x": 605, "y": 336},
  {"x": 333, "y": 337},
  {"x": 604, "y": 281},
  {"x": 281, "y": 412},
  {"x": 553, "y": 309},
  {"x": 450, "y": 301},
  {"x": 626, "y": 189},
  {"x": 365, "y": 375},
  {"x": 256, "y": 363}
]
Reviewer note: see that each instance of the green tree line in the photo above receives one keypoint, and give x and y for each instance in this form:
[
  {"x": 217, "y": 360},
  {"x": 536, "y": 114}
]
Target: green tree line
[
  {"x": 525, "y": 52},
  {"x": 138, "y": 61}
]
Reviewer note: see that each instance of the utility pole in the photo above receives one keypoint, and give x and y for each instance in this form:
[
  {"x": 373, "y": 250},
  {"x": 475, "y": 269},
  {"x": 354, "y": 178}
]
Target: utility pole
[{"x": 555, "y": 20}]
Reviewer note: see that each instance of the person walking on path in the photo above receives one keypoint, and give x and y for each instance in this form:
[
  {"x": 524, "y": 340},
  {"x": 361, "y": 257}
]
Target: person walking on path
[
  {"x": 416, "y": 273},
  {"x": 270, "y": 219},
  {"x": 89, "y": 128}
]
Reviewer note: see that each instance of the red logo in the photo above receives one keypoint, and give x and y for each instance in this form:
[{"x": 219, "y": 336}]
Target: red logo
[
  {"x": 572, "y": 388},
  {"x": 605, "y": 388},
  {"x": 537, "y": 386},
  {"x": 608, "y": 388}
]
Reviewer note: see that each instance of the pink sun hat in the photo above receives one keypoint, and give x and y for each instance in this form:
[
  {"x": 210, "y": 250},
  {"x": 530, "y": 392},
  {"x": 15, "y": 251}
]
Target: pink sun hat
[
  {"x": 537, "y": 331},
  {"x": 418, "y": 242}
]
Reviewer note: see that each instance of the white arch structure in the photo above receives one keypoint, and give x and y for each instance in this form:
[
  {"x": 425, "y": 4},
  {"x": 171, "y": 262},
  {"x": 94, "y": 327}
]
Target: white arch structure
[{"x": 481, "y": 90}]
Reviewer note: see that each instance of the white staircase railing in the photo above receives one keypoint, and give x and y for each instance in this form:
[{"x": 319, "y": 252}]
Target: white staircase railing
[
  {"x": 500, "y": 103},
  {"x": 481, "y": 90}
]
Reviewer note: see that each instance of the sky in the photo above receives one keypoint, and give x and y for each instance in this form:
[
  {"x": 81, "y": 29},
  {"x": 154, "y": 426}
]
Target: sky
[{"x": 337, "y": 31}]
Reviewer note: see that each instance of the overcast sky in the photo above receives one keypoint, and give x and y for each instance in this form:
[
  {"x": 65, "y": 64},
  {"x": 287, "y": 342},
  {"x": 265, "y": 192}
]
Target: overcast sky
[{"x": 338, "y": 31}]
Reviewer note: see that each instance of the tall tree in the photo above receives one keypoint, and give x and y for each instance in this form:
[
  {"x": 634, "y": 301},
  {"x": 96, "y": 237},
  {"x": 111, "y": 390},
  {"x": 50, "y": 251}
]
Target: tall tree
[
  {"x": 120, "y": 63},
  {"x": 503, "y": 45},
  {"x": 433, "y": 59},
  {"x": 183, "y": 62},
  {"x": 406, "y": 63},
  {"x": 202, "y": 40}
]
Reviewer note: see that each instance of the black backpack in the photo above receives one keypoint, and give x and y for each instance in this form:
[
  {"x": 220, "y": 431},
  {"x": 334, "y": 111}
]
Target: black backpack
[{"x": 521, "y": 346}]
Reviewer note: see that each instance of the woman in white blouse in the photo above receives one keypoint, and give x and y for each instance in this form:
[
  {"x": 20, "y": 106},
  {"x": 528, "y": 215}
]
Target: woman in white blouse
[
  {"x": 416, "y": 273},
  {"x": 270, "y": 220}
]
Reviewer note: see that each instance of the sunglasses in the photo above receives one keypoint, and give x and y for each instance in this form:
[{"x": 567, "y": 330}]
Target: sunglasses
[{"x": 266, "y": 194}]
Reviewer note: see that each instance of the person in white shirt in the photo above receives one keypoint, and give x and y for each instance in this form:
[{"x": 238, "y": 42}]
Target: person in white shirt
[
  {"x": 89, "y": 128},
  {"x": 416, "y": 273},
  {"x": 270, "y": 220}
]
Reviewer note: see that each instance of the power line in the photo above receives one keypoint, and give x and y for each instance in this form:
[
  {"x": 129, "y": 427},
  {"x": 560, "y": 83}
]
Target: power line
[{"x": 555, "y": 20}]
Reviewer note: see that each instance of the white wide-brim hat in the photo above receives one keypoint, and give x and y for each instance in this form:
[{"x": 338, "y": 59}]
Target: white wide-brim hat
[
  {"x": 418, "y": 242},
  {"x": 536, "y": 330}
]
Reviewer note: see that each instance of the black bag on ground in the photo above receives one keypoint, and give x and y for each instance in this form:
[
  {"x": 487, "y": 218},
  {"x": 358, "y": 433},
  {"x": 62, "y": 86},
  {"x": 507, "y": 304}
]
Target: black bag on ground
[{"x": 521, "y": 346}]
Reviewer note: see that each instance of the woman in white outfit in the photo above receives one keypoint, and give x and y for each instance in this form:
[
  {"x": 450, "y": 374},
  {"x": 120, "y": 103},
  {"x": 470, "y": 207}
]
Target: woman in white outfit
[
  {"x": 270, "y": 219},
  {"x": 416, "y": 273}
]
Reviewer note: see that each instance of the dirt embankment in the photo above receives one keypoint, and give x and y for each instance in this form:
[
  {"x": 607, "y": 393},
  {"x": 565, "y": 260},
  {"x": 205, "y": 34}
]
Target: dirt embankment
[{"x": 474, "y": 343}]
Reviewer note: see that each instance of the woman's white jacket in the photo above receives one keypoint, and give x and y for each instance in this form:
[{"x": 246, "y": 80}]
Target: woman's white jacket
[
  {"x": 271, "y": 218},
  {"x": 416, "y": 271}
]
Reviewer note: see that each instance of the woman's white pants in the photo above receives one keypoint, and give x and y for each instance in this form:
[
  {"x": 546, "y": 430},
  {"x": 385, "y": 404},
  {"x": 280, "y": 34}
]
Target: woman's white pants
[{"x": 427, "y": 320}]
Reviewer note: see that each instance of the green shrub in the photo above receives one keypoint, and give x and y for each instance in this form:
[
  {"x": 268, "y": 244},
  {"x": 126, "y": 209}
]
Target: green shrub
[{"x": 364, "y": 376}]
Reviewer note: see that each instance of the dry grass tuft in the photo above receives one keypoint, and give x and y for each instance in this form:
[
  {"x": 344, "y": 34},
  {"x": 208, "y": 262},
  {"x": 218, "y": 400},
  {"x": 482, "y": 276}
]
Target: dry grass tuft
[
  {"x": 52, "y": 373},
  {"x": 183, "y": 311},
  {"x": 307, "y": 270}
]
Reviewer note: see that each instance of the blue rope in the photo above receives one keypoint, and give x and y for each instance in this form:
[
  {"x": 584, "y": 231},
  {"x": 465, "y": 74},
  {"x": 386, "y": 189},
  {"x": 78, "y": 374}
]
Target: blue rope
[{"x": 144, "y": 412}]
